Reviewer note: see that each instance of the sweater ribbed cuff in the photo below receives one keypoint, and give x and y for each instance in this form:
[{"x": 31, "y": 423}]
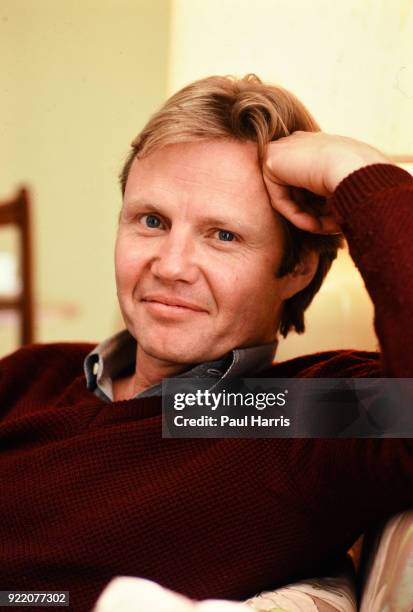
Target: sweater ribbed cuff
[{"x": 361, "y": 184}]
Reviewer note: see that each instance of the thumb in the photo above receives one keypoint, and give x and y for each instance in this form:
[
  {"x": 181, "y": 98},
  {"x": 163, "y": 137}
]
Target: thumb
[{"x": 289, "y": 202}]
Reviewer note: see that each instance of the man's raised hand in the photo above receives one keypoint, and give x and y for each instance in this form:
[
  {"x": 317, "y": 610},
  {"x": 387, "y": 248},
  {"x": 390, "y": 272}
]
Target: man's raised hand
[{"x": 316, "y": 162}]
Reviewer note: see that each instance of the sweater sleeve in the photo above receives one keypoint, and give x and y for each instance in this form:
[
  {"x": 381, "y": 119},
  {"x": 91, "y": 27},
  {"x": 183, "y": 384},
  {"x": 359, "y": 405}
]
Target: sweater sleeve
[
  {"x": 348, "y": 485},
  {"x": 374, "y": 207}
]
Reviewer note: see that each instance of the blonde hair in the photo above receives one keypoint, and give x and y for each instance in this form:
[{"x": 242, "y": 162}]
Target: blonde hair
[{"x": 224, "y": 107}]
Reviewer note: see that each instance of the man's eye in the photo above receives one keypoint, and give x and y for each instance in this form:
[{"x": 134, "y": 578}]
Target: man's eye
[
  {"x": 226, "y": 236},
  {"x": 151, "y": 221}
]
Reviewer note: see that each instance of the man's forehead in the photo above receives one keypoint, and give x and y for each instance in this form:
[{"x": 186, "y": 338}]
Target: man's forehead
[
  {"x": 221, "y": 165},
  {"x": 215, "y": 180}
]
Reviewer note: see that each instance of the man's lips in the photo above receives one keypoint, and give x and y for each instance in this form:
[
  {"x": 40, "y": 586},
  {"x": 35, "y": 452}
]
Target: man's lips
[{"x": 173, "y": 302}]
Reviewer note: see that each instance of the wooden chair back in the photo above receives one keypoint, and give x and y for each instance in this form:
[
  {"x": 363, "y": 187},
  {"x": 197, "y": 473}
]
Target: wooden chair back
[{"x": 16, "y": 212}]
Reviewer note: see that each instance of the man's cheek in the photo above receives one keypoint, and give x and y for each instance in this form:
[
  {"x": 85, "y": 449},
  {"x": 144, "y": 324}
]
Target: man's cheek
[{"x": 130, "y": 266}]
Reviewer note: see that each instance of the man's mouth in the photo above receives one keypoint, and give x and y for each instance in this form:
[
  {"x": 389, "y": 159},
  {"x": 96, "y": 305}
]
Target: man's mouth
[{"x": 172, "y": 303}]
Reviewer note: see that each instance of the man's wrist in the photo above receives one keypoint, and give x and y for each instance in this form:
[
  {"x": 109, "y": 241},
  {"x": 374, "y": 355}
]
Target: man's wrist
[{"x": 351, "y": 163}]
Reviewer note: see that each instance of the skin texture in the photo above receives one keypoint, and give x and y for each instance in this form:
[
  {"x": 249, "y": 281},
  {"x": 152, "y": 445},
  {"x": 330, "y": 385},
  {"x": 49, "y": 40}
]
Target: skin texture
[{"x": 172, "y": 244}]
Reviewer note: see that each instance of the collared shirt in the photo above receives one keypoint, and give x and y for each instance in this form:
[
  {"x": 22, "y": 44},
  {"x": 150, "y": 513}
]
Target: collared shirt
[{"x": 115, "y": 357}]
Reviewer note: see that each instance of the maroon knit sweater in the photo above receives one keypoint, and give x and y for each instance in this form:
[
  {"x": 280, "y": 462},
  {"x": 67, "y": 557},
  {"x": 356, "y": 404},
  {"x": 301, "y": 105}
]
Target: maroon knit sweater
[{"x": 90, "y": 490}]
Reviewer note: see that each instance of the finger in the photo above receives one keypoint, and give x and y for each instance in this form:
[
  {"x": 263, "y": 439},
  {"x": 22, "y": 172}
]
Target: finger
[
  {"x": 282, "y": 202},
  {"x": 296, "y": 215},
  {"x": 329, "y": 225},
  {"x": 297, "y": 212}
]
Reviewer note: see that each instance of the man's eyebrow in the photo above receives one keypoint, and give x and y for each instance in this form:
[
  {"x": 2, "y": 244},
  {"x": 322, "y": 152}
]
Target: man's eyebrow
[
  {"x": 147, "y": 204},
  {"x": 225, "y": 222},
  {"x": 213, "y": 220}
]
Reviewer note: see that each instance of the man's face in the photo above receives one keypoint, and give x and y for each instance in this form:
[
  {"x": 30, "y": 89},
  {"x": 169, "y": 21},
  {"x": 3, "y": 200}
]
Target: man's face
[{"x": 197, "y": 252}]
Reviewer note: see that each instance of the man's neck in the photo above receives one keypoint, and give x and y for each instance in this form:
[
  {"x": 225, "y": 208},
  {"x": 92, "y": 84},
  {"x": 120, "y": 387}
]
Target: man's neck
[{"x": 149, "y": 372}]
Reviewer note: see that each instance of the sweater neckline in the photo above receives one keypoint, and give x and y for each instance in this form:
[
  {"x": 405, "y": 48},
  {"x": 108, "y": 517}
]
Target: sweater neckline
[{"x": 111, "y": 412}]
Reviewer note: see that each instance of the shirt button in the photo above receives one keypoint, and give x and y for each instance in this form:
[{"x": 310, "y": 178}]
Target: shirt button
[
  {"x": 214, "y": 372},
  {"x": 96, "y": 368}
]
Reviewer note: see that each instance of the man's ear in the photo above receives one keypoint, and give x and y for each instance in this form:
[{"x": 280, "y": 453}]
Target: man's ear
[{"x": 301, "y": 276}]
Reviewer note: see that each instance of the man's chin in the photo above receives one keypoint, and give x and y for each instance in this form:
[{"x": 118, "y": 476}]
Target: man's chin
[
  {"x": 178, "y": 354},
  {"x": 173, "y": 358}
]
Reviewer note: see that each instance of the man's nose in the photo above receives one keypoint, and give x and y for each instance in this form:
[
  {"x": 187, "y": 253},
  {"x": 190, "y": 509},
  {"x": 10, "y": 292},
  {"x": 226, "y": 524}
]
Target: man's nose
[{"x": 175, "y": 258}]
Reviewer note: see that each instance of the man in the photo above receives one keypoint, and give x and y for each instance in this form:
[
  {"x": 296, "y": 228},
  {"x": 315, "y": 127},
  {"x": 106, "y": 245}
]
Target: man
[{"x": 214, "y": 254}]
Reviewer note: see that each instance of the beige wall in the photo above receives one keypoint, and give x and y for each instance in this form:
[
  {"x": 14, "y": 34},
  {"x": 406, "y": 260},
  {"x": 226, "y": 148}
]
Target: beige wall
[
  {"x": 351, "y": 63},
  {"x": 78, "y": 80}
]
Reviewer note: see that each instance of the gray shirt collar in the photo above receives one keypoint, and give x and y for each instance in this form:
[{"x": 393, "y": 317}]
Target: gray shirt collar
[{"x": 115, "y": 357}]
